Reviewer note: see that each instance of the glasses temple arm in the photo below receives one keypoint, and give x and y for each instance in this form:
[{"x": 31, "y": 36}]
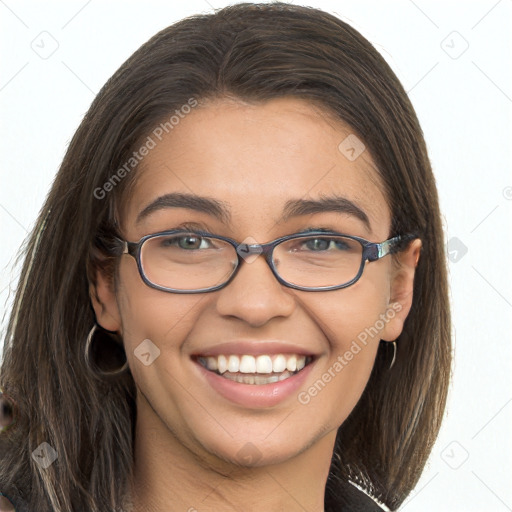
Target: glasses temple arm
[{"x": 390, "y": 246}]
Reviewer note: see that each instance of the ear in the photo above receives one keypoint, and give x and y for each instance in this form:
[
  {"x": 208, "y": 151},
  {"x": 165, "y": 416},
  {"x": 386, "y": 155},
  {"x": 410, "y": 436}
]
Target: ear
[
  {"x": 104, "y": 302},
  {"x": 401, "y": 291}
]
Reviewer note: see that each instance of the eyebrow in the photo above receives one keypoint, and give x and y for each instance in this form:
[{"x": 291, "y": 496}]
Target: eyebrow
[
  {"x": 198, "y": 203},
  {"x": 337, "y": 204},
  {"x": 219, "y": 210}
]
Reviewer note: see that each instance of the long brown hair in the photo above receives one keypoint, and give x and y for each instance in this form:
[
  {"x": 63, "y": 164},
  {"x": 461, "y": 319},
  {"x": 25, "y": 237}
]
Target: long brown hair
[{"x": 250, "y": 52}]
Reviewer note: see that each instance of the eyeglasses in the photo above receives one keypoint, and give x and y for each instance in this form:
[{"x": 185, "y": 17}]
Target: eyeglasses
[{"x": 183, "y": 261}]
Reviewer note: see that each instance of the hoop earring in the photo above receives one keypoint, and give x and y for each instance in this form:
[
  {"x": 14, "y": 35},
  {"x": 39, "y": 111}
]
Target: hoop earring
[
  {"x": 394, "y": 356},
  {"x": 92, "y": 367}
]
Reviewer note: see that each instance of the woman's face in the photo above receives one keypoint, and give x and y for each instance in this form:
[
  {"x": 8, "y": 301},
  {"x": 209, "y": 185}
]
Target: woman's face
[{"x": 254, "y": 160}]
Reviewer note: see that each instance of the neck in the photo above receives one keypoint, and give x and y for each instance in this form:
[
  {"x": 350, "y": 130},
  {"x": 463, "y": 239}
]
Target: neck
[{"x": 169, "y": 477}]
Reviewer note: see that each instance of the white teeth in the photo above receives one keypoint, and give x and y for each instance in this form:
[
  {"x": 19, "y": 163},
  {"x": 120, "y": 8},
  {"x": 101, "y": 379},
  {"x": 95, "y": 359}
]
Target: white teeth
[
  {"x": 248, "y": 364},
  {"x": 257, "y": 379},
  {"x": 233, "y": 364},
  {"x": 222, "y": 364},
  {"x": 211, "y": 363},
  {"x": 263, "y": 364},
  {"x": 279, "y": 364},
  {"x": 291, "y": 363}
]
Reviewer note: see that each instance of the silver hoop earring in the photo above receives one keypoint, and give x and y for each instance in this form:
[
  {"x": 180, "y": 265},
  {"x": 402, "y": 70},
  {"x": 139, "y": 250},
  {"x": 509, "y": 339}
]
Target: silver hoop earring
[
  {"x": 94, "y": 368},
  {"x": 394, "y": 355}
]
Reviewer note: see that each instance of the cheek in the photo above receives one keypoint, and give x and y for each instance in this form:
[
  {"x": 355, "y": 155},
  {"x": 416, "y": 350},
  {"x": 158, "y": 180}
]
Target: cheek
[
  {"x": 155, "y": 326},
  {"x": 147, "y": 313},
  {"x": 353, "y": 313},
  {"x": 351, "y": 320}
]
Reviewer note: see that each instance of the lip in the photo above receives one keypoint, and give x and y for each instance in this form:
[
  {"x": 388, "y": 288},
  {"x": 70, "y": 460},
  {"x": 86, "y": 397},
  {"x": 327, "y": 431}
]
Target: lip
[
  {"x": 253, "y": 395},
  {"x": 254, "y": 348}
]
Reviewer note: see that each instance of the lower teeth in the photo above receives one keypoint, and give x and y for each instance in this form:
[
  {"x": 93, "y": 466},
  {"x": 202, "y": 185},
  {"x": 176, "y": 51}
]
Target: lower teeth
[{"x": 257, "y": 379}]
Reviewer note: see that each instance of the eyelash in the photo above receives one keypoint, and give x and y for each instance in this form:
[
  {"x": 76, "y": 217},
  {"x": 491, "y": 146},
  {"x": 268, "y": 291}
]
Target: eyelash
[{"x": 195, "y": 227}]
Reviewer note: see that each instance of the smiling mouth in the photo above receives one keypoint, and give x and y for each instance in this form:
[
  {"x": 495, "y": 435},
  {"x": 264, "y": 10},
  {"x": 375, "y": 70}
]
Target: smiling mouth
[{"x": 258, "y": 370}]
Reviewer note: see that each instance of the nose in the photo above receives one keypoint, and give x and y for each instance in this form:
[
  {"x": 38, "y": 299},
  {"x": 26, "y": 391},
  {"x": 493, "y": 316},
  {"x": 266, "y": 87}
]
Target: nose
[{"x": 255, "y": 295}]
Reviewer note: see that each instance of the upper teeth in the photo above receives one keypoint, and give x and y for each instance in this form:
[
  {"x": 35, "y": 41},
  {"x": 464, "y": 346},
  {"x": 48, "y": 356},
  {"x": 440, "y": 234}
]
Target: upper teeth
[{"x": 254, "y": 364}]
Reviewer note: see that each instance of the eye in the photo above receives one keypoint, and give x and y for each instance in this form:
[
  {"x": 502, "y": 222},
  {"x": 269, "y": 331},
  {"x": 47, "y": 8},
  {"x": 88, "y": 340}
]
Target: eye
[
  {"x": 324, "y": 244},
  {"x": 186, "y": 242}
]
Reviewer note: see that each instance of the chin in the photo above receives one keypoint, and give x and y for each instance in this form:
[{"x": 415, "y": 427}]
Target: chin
[{"x": 252, "y": 452}]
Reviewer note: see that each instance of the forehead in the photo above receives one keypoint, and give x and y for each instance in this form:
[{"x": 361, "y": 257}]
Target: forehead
[{"x": 256, "y": 157}]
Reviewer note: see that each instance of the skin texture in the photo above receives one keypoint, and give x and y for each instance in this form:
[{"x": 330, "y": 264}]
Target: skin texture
[{"x": 253, "y": 158}]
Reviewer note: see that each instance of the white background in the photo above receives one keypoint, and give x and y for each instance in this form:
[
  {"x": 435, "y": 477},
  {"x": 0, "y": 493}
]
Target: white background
[{"x": 463, "y": 97}]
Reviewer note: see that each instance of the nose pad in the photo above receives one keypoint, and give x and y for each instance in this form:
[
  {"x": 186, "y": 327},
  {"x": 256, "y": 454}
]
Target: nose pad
[
  {"x": 249, "y": 249},
  {"x": 251, "y": 295}
]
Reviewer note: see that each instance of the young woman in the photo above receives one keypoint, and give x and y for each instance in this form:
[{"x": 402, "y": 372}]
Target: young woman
[{"x": 235, "y": 295}]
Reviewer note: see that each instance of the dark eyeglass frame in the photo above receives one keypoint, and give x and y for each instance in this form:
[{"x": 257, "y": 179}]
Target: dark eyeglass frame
[{"x": 372, "y": 251}]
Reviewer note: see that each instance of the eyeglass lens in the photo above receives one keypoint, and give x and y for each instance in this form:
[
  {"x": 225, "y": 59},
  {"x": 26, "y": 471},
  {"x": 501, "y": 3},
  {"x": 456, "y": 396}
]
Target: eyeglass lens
[{"x": 188, "y": 261}]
